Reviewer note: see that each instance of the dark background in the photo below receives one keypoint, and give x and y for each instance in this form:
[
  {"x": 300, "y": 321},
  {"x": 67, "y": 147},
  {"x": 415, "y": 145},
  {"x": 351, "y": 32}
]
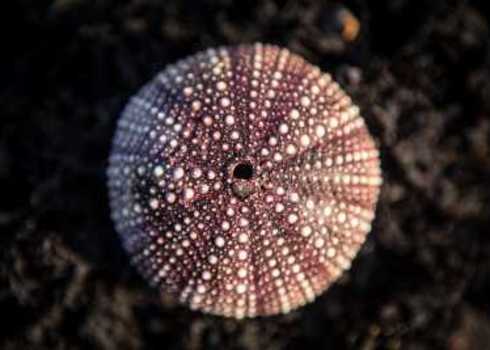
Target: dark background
[{"x": 420, "y": 71}]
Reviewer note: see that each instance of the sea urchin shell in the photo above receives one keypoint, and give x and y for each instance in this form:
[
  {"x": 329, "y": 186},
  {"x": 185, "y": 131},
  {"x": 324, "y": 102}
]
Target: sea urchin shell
[{"x": 243, "y": 180}]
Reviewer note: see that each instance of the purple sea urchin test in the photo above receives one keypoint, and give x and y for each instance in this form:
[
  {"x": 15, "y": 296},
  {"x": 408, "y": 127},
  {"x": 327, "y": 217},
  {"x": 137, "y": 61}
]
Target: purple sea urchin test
[{"x": 243, "y": 180}]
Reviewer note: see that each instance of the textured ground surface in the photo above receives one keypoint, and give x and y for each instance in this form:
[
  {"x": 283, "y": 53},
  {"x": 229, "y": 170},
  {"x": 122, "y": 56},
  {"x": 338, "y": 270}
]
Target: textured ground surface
[{"x": 420, "y": 74}]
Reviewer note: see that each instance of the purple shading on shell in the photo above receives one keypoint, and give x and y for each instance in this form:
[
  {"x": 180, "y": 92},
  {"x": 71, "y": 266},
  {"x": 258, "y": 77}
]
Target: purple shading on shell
[{"x": 243, "y": 180}]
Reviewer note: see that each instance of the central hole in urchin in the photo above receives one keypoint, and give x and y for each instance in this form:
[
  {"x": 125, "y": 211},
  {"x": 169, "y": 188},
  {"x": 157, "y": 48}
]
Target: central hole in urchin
[{"x": 243, "y": 171}]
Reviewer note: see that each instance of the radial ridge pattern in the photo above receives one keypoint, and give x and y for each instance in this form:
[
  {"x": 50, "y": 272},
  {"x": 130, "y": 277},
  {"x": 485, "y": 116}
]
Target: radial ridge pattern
[{"x": 243, "y": 180}]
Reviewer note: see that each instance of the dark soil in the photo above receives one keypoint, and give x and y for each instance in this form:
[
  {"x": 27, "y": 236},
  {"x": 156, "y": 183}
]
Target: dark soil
[{"x": 420, "y": 72}]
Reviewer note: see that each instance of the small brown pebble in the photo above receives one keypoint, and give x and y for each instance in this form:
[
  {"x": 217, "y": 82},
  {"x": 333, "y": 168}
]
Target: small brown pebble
[{"x": 350, "y": 25}]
